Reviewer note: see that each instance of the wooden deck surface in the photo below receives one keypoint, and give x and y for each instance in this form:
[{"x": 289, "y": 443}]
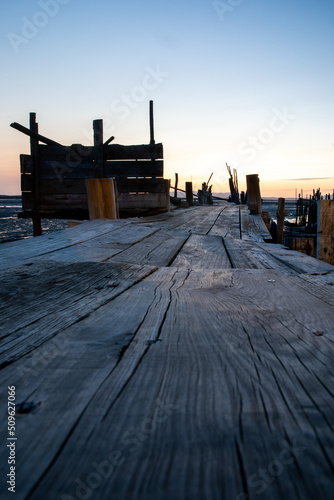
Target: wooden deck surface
[{"x": 175, "y": 357}]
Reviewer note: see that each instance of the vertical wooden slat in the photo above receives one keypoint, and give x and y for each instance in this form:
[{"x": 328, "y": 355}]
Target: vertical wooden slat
[
  {"x": 98, "y": 147},
  {"x": 175, "y": 185},
  {"x": 167, "y": 190},
  {"x": 101, "y": 199},
  {"x": 152, "y": 141},
  {"x": 189, "y": 193},
  {"x": 253, "y": 193},
  {"x": 34, "y": 151},
  {"x": 280, "y": 219}
]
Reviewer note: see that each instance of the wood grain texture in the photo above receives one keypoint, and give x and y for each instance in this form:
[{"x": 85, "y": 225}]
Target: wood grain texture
[
  {"x": 22, "y": 252},
  {"x": 200, "y": 413},
  {"x": 202, "y": 252},
  {"x": 46, "y": 298}
]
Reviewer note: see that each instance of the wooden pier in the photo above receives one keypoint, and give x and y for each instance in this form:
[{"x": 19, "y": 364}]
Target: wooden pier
[{"x": 174, "y": 357}]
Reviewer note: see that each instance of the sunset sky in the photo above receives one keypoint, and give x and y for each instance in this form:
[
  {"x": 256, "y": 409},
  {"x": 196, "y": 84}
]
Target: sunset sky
[{"x": 247, "y": 82}]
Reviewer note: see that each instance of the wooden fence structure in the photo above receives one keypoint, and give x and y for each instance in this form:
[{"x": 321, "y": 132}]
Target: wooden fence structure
[{"x": 53, "y": 176}]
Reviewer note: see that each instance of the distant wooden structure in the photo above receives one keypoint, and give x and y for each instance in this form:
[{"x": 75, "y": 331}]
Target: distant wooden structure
[
  {"x": 53, "y": 176},
  {"x": 233, "y": 184}
]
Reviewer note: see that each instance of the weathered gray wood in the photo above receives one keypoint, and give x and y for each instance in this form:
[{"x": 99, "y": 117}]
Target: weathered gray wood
[
  {"x": 227, "y": 224},
  {"x": 202, "y": 252},
  {"x": 141, "y": 201},
  {"x": 47, "y": 298},
  {"x": 102, "y": 248},
  {"x": 202, "y": 412},
  {"x": 24, "y": 251},
  {"x": 253, "y": 227},
  {"x": 158, "y": 249}
]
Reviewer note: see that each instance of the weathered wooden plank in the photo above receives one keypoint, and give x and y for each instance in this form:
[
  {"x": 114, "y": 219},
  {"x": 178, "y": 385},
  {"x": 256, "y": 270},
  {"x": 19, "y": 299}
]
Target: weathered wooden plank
[
  {"x": 84, "y": 169},
  {"x": 253, "y": 227},
  {"x": 24, "y": 251},
  {"x": 141, "y": 201},
  {"x": 297, "y": 261},
  {"x": 251, "y": 255},
  {"x": 159, "y": 249},
  {"x": 202, "y": 252},
  {"x": 47, "y": 298},
  {"x": 102, "y": 248},
  {"x": 176, "y": 428},
  {"x": 101, "y": 199},
  {"x": 140, "y": 152},
  {"x": 227, "y": 224},
  {"x": 140, "y": 185}
]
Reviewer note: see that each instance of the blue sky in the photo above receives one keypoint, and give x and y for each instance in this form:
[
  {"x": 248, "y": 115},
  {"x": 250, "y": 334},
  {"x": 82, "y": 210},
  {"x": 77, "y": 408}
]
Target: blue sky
[{"x": 247, "y": 82}]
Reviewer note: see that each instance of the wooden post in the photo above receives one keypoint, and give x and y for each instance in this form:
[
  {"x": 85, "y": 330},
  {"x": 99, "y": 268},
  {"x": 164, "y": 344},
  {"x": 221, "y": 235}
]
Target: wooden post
[
  {"x": 152, "y": 141},
  {"x": 101, "y": 199},
  {"x": 37, "y": 226},
  {"x": 189, "y": 193},
  {"x": 175, "y": 185},
  {"x": 34, "y": 151},
  {"x": 253, "y": 194},
  {"x": 325, "y": 231},
  {"x": 167, "y": 190},
  {"x": 98, "y": 147},
  {"x": 281, "y": 213}
]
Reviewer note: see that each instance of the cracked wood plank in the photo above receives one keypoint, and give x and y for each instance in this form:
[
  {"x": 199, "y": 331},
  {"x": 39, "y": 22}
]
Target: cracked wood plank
[
  {"x": 227, "y": 224},
  {"x": 159, "y": 249},
  {"x": 46, "y": 298},
  {"x": 236, "y": 383},
  {"x": 203, "y": 252},
  {"x": 102, "y": 248},
  {"x": 19, "y": 252}
]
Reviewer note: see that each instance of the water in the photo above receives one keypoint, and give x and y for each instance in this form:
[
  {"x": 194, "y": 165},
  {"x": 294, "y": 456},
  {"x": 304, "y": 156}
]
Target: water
[{"x": 12, "y": 228}]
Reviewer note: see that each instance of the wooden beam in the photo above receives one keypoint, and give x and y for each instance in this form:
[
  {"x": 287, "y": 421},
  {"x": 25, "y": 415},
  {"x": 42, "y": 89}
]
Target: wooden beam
[
  {"x": 175, "y": 185},
  {"x": 281, "y": 213},
  {"x": 152, "y": 141},
  {"x": 189, "y": 193},
  {"x": 253, "y": 193},
  {"x": 98, "y": 147},
  {"x": 34, "y": 134}
]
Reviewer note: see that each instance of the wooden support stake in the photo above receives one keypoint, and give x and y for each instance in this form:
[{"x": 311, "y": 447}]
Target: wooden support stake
[
  {"x": 34, "y": 151},
  {"x": 167, "y": 190},
  {"x": 253, "y": 194},
  {"x": 98, "y": 147},
  {"x": 281, "y": 213},
  {"x": 189, "y": 193},
  {"x": 35, "y": 135},
  {"x": 37, "y": 226},
  {"x": 325, "y": 231},
  {"x": 102, "y": 201},
  {"x": 152, "y": 141},
  {"x": 175, "y": 185}
]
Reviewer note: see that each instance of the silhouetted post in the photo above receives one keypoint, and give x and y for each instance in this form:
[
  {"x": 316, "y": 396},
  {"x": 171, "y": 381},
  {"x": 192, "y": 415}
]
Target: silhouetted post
[
  {"x": 175, "y": 185},
  {"x": 152, "y": 141},
  {"x": 37, "y": 224},
  {"x": 167, "y": 190},
  {"x": 98, "y": 147},
  {"x": 253, "y": 193},
  {"x": 189, "y": 193},
  {"x": 281, "y": 213}
]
